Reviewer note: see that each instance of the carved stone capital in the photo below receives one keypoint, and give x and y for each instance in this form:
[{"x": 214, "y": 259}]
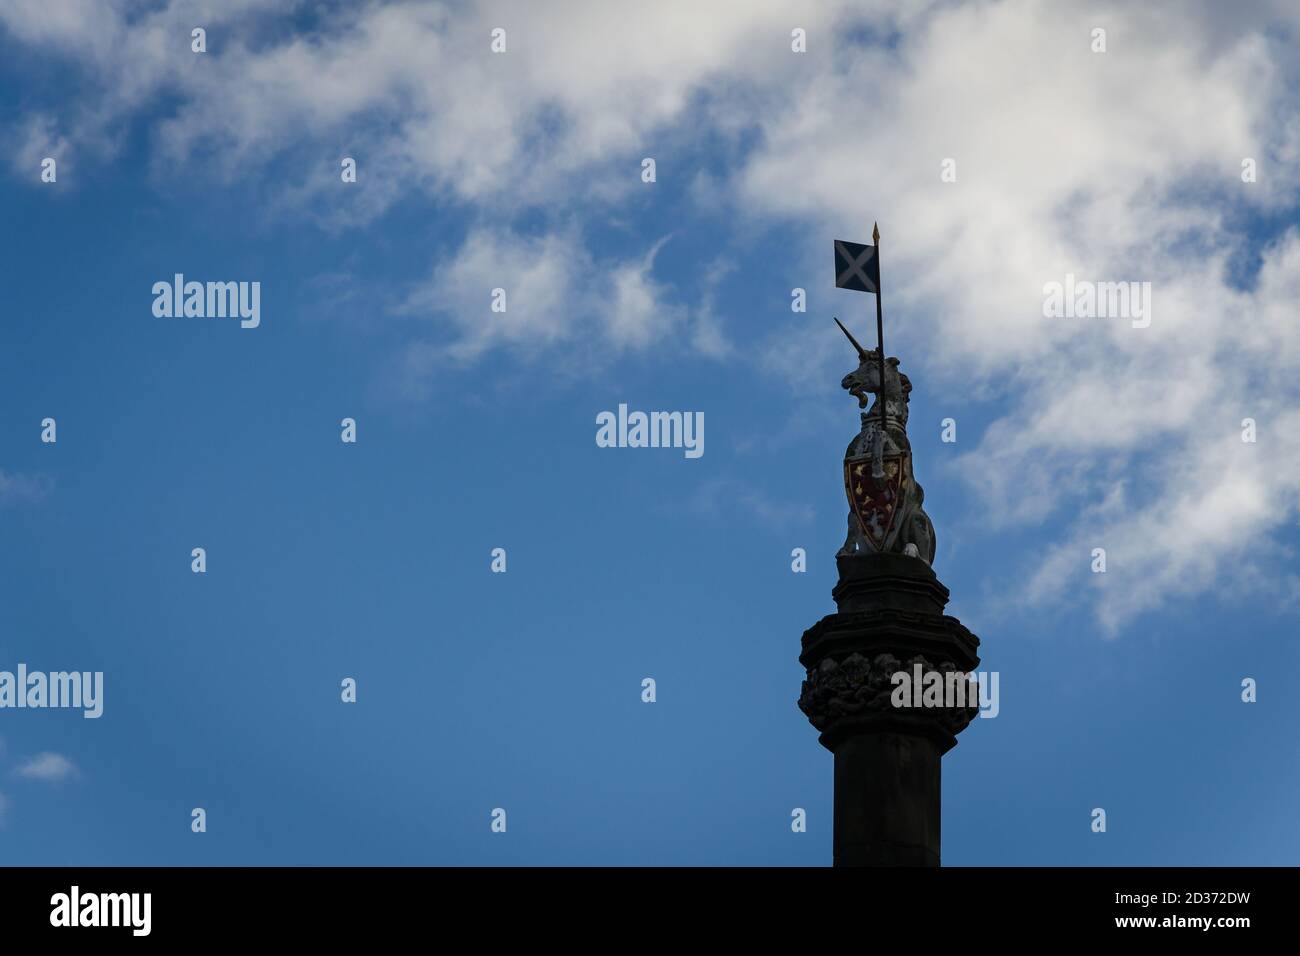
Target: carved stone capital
[{"x": 859, "y": 693}]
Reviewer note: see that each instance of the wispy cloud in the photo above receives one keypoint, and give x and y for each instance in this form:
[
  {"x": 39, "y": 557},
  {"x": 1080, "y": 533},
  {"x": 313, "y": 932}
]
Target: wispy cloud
[
  {"x": 555, "y": 298},
  {"x": 721, "y": 496},
  {"x": 17, "y": 488},
  {"x": 48, "y": 767}
]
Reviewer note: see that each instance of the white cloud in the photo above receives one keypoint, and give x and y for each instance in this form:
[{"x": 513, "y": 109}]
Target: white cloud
[
  {"x": 38, "y": 139},
  {"x": 413, "y": 89},
  {"x": 558, "y": 299},
  {"x": 539, "y": 276},
  {"x": 638, "y": 315},
  {"x": 48, "y": 767}
]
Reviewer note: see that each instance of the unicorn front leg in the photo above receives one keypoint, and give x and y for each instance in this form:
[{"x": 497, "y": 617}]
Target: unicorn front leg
[{"x": 853, "y": 542}]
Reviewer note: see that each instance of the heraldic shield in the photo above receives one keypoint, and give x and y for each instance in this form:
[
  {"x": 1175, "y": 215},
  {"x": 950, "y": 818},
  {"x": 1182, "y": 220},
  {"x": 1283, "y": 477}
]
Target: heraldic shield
[{"x": 877, "y": 503}]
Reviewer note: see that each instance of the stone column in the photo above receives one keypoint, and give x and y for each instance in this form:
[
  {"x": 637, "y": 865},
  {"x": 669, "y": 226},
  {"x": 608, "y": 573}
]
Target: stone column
[{"x": 887, "y": 759}]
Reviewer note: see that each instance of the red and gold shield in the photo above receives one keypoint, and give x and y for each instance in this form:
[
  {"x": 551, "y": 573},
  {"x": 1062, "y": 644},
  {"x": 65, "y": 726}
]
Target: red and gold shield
[{"x": 877, "y": 502}]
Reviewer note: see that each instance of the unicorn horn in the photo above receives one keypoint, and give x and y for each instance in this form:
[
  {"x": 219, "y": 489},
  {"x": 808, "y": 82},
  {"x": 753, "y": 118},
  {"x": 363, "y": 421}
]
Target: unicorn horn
[{"x": 861, "y": 354}]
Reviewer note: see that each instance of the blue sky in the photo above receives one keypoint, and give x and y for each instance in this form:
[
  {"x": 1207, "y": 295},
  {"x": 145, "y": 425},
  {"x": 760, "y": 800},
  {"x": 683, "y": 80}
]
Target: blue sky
[{"x": 476, "y": 430}]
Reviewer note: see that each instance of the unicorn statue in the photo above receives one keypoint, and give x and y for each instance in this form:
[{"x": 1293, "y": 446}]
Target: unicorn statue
[{"x": 885, "y": 513}]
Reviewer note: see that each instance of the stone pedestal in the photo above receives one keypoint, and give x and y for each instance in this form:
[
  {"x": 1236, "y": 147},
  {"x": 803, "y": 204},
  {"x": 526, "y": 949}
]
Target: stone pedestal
[{"x": 887, "y": 773}]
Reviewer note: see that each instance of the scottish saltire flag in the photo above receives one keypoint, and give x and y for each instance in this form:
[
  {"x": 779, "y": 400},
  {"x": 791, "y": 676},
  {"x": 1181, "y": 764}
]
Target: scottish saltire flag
[{"x": 857, "y": 267}]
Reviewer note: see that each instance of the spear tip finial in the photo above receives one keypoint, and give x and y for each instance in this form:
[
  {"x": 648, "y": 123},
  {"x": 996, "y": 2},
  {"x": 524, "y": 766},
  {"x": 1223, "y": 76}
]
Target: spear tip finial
[{"x": 875, "y": 233}]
